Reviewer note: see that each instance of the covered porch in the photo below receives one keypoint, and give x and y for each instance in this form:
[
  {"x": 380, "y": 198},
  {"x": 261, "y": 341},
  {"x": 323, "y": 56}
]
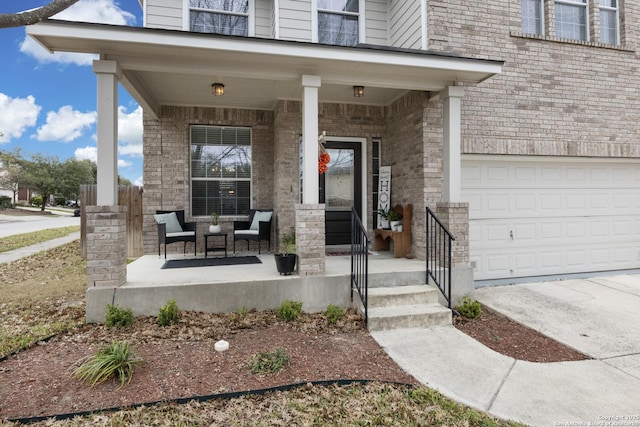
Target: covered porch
[{"x": 288, "y": 93}]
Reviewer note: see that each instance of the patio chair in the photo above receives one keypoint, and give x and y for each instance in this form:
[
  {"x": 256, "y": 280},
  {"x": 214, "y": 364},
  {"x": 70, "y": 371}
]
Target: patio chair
[
  {"x": 172, "y": 229},
  {"x": 257, "y": 227}
]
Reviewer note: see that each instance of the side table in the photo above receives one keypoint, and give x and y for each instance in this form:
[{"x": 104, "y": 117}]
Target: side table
[{"x": 208, "y": 249}]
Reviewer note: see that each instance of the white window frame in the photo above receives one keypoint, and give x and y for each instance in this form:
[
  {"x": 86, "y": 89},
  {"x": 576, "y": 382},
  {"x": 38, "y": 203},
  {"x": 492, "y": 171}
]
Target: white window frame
[
  {"x": 542, "y": 21},
  {"x": 251, "y": 14},
  {"x": 615, "y": 9},
  {"x": 362, "y": 36},
  {"x": 576, "y": 3},
  {"x": 219, "y": 179}
]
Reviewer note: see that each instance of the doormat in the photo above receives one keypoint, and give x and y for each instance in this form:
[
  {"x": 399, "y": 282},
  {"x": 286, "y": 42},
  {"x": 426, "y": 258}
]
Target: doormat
[{"x": 211, "y": 262}]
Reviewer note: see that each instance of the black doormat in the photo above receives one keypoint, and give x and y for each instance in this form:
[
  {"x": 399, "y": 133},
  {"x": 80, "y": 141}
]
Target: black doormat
[{"x": 211, "y": 262}]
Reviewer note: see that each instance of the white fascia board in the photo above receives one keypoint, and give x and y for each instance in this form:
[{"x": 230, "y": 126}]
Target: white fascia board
[{"x": 92, "y": 35}]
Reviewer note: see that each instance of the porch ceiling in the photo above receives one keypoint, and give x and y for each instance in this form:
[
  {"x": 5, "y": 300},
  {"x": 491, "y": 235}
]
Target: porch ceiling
[{"x": 164, "y": 67}]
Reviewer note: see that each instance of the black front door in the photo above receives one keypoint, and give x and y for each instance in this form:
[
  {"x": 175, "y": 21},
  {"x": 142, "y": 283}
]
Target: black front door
[{"x": 341, "y": 190}]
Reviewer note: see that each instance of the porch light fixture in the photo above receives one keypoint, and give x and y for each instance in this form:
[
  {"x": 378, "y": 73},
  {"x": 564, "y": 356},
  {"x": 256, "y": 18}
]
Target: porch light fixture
[
  {"x": 217, "y": 89},
  {"x": 358, "y": 91}
]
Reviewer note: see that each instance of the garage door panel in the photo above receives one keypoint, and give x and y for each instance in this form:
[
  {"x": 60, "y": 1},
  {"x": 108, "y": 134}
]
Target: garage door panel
[{"x": 535, "y": 218}]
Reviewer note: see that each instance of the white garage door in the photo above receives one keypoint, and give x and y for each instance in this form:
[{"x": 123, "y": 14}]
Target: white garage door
[{"x": 549, "y": 216}]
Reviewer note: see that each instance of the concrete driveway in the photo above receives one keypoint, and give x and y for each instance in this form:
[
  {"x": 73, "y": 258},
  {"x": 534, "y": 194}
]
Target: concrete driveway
[{"x": 598, "y": 316}]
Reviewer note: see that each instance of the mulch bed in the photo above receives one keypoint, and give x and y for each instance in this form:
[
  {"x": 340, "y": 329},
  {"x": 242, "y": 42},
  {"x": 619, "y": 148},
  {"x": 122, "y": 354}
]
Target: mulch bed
[{"x": 513, "y": 339}]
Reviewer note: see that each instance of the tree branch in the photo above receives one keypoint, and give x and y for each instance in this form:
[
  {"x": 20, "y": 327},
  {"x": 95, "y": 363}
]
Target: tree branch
[{"x": 34, "y": 16}]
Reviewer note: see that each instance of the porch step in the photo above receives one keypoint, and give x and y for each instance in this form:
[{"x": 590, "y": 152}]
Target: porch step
[
  {"x": 408, "y": 316},
  {"x": 413, "y": 306},
  {"x": 402, "y": 295}
]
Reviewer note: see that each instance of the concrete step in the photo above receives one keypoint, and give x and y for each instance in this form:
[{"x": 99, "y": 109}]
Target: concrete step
[
  {"x": 398, "y": 278},
  {"x": 402, "y": 295},
  {"x": 408, "y": 316}
]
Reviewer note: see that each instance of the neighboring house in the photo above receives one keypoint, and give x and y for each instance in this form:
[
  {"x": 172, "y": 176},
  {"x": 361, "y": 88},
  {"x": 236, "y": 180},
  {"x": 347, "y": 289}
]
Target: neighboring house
[{"x": 515, "y": 121}]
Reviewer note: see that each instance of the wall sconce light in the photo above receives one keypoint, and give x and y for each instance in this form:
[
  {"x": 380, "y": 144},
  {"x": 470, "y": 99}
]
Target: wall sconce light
[
  {"x": 217, "y": 89},
  {"x": 358, "y": 91}
]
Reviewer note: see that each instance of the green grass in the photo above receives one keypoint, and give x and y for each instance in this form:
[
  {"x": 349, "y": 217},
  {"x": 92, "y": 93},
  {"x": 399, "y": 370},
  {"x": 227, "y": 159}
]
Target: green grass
[
  {"x": 17, "y": 241},
  {"x": 268, "y": 362},
  {"x": 115, "y": 360}
]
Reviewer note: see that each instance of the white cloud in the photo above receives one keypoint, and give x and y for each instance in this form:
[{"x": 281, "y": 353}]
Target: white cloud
[
  {"x": 138, "y": 182},
  {"x": 98, "y": 11},
  {"x": 65, "y": 125},
  {"x": 86, "y": 153},
  {"x": 16, "y": 115},
  {"x": 91, "y": 153},
  {"x": 130, "y": 132}
]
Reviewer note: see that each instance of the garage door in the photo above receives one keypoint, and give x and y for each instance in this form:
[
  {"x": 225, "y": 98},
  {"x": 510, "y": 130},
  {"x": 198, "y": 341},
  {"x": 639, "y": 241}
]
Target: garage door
[{"x": 548, "y": 216}]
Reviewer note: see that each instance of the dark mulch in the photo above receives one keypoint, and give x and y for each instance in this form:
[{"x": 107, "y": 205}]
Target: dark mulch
[{"x": 513, "y": 339}]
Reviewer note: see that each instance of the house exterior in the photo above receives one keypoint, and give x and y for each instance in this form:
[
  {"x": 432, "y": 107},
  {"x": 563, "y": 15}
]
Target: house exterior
[{"x": 515, "y": 121}]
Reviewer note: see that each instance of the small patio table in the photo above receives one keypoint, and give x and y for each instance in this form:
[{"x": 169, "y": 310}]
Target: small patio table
[{"x": 208, "y": 249}]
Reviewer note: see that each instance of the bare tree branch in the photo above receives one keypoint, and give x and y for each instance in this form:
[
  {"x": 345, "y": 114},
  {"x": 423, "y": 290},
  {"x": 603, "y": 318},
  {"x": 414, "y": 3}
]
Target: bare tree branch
[{"x": 34, "y": 16}]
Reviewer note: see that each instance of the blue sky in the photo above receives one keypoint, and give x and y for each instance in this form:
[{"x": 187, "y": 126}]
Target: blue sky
[{"x": 48, "y": 102}]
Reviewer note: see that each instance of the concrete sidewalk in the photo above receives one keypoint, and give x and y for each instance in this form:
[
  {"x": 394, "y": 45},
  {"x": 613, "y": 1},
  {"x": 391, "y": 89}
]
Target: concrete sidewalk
[
  {"x": 10, "y": 256},
  {"x": 599, "y": 317}
]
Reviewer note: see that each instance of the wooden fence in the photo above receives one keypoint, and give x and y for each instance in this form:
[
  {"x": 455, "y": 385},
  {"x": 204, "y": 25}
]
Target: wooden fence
[{"x": 129, "y": 196}]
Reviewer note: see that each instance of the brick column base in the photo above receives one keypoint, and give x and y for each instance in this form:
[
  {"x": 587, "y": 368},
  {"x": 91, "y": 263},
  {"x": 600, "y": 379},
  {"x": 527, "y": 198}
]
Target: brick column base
[
  {"x": 310, "y": 239},
  {"x": 106, "y": 242},
  {"x": 455, "y": 216}
]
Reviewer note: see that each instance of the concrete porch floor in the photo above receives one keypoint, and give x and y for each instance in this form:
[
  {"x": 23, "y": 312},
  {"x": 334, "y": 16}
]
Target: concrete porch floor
[{"x": 259, "y": 286}]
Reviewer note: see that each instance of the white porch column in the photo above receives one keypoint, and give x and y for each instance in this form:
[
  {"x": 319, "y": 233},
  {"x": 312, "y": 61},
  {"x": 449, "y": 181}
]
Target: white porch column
[
  {"x": 451, "y": 103},
  {"x": 310, "y": 85},
  {"x": 108, "y": 74}
]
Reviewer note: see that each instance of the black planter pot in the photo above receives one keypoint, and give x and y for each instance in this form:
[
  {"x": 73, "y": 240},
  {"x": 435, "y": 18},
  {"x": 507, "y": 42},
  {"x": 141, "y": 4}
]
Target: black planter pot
[{"x": 285, "y": 263}]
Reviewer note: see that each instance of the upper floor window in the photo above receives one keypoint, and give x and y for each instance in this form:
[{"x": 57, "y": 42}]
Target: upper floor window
[
  {"x": 608, "y": 21},
  {"x": 532, "y": 17},
  {"x": 338, "y": 22},
  {"x": 571, "y": 19},
  {"x": 220, "y": 170},
  {"x": 229, "y": 17}
]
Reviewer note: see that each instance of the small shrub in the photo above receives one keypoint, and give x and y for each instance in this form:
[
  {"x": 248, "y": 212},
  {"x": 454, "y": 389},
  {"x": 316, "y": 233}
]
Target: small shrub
[
  {"x": 169, "y": 314},
  {"x": 116, "y": 316},
  {"x": 116, "y": 359},
  {"x": 36, "y": 201},
  {"x": 5, "y": 202},
  {"x": 469, "y": 308},
  {"x": 268, "y": 362},
  {"x": 333, "y": 313},
  {"x": 289, "y": 310}
]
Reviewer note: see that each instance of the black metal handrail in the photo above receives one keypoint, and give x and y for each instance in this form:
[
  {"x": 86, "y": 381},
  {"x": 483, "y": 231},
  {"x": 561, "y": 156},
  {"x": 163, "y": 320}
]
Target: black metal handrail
[
  {"x": 360, "y": 262},
  {"x": 439, "y": 248}
]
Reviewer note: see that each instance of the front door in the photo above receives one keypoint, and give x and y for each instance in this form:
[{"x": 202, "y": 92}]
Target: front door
[{"x": 341, "y": 190}]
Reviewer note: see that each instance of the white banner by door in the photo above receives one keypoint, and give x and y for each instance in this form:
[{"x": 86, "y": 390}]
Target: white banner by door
[{"x": 384, "y": 191}]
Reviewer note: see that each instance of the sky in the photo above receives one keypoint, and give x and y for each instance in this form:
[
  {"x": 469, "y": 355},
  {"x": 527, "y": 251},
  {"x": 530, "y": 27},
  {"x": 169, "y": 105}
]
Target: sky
[{"x": 48, "y": 102}]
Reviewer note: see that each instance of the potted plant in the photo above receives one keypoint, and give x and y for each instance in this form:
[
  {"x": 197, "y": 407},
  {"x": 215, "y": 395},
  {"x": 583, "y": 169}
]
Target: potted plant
[
  {"x": 394, "y": 221},
  {"x": 286, "y": 258},
  {"x": 215, "y": 228},
  {"x": 384, "y": 218}
]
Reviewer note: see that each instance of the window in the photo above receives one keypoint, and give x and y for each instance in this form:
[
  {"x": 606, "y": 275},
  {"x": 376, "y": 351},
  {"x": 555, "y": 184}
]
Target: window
[
  {"x": 608, "y": 21},
  {"x": 532, "y": 16},
  {"x": 220, "y": 170},
  {"x": 338, "y": 22},
  {"x": 229, "y": 17},
  {"x": 375, "y": 159},
  {"x": 571, "y": 19}
]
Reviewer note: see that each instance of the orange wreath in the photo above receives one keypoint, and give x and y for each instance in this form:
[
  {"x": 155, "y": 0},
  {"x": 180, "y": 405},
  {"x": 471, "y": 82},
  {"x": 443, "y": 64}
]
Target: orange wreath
[{"x": 323, "y": 161}]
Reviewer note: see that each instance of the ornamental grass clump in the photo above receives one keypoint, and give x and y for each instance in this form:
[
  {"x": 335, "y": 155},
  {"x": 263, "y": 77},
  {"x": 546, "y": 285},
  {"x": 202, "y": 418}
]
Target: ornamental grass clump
[
  {"x": 169, "y": 314},
  {"x": 116, "y": 360},
  {"x": 267, "y": 363}
]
